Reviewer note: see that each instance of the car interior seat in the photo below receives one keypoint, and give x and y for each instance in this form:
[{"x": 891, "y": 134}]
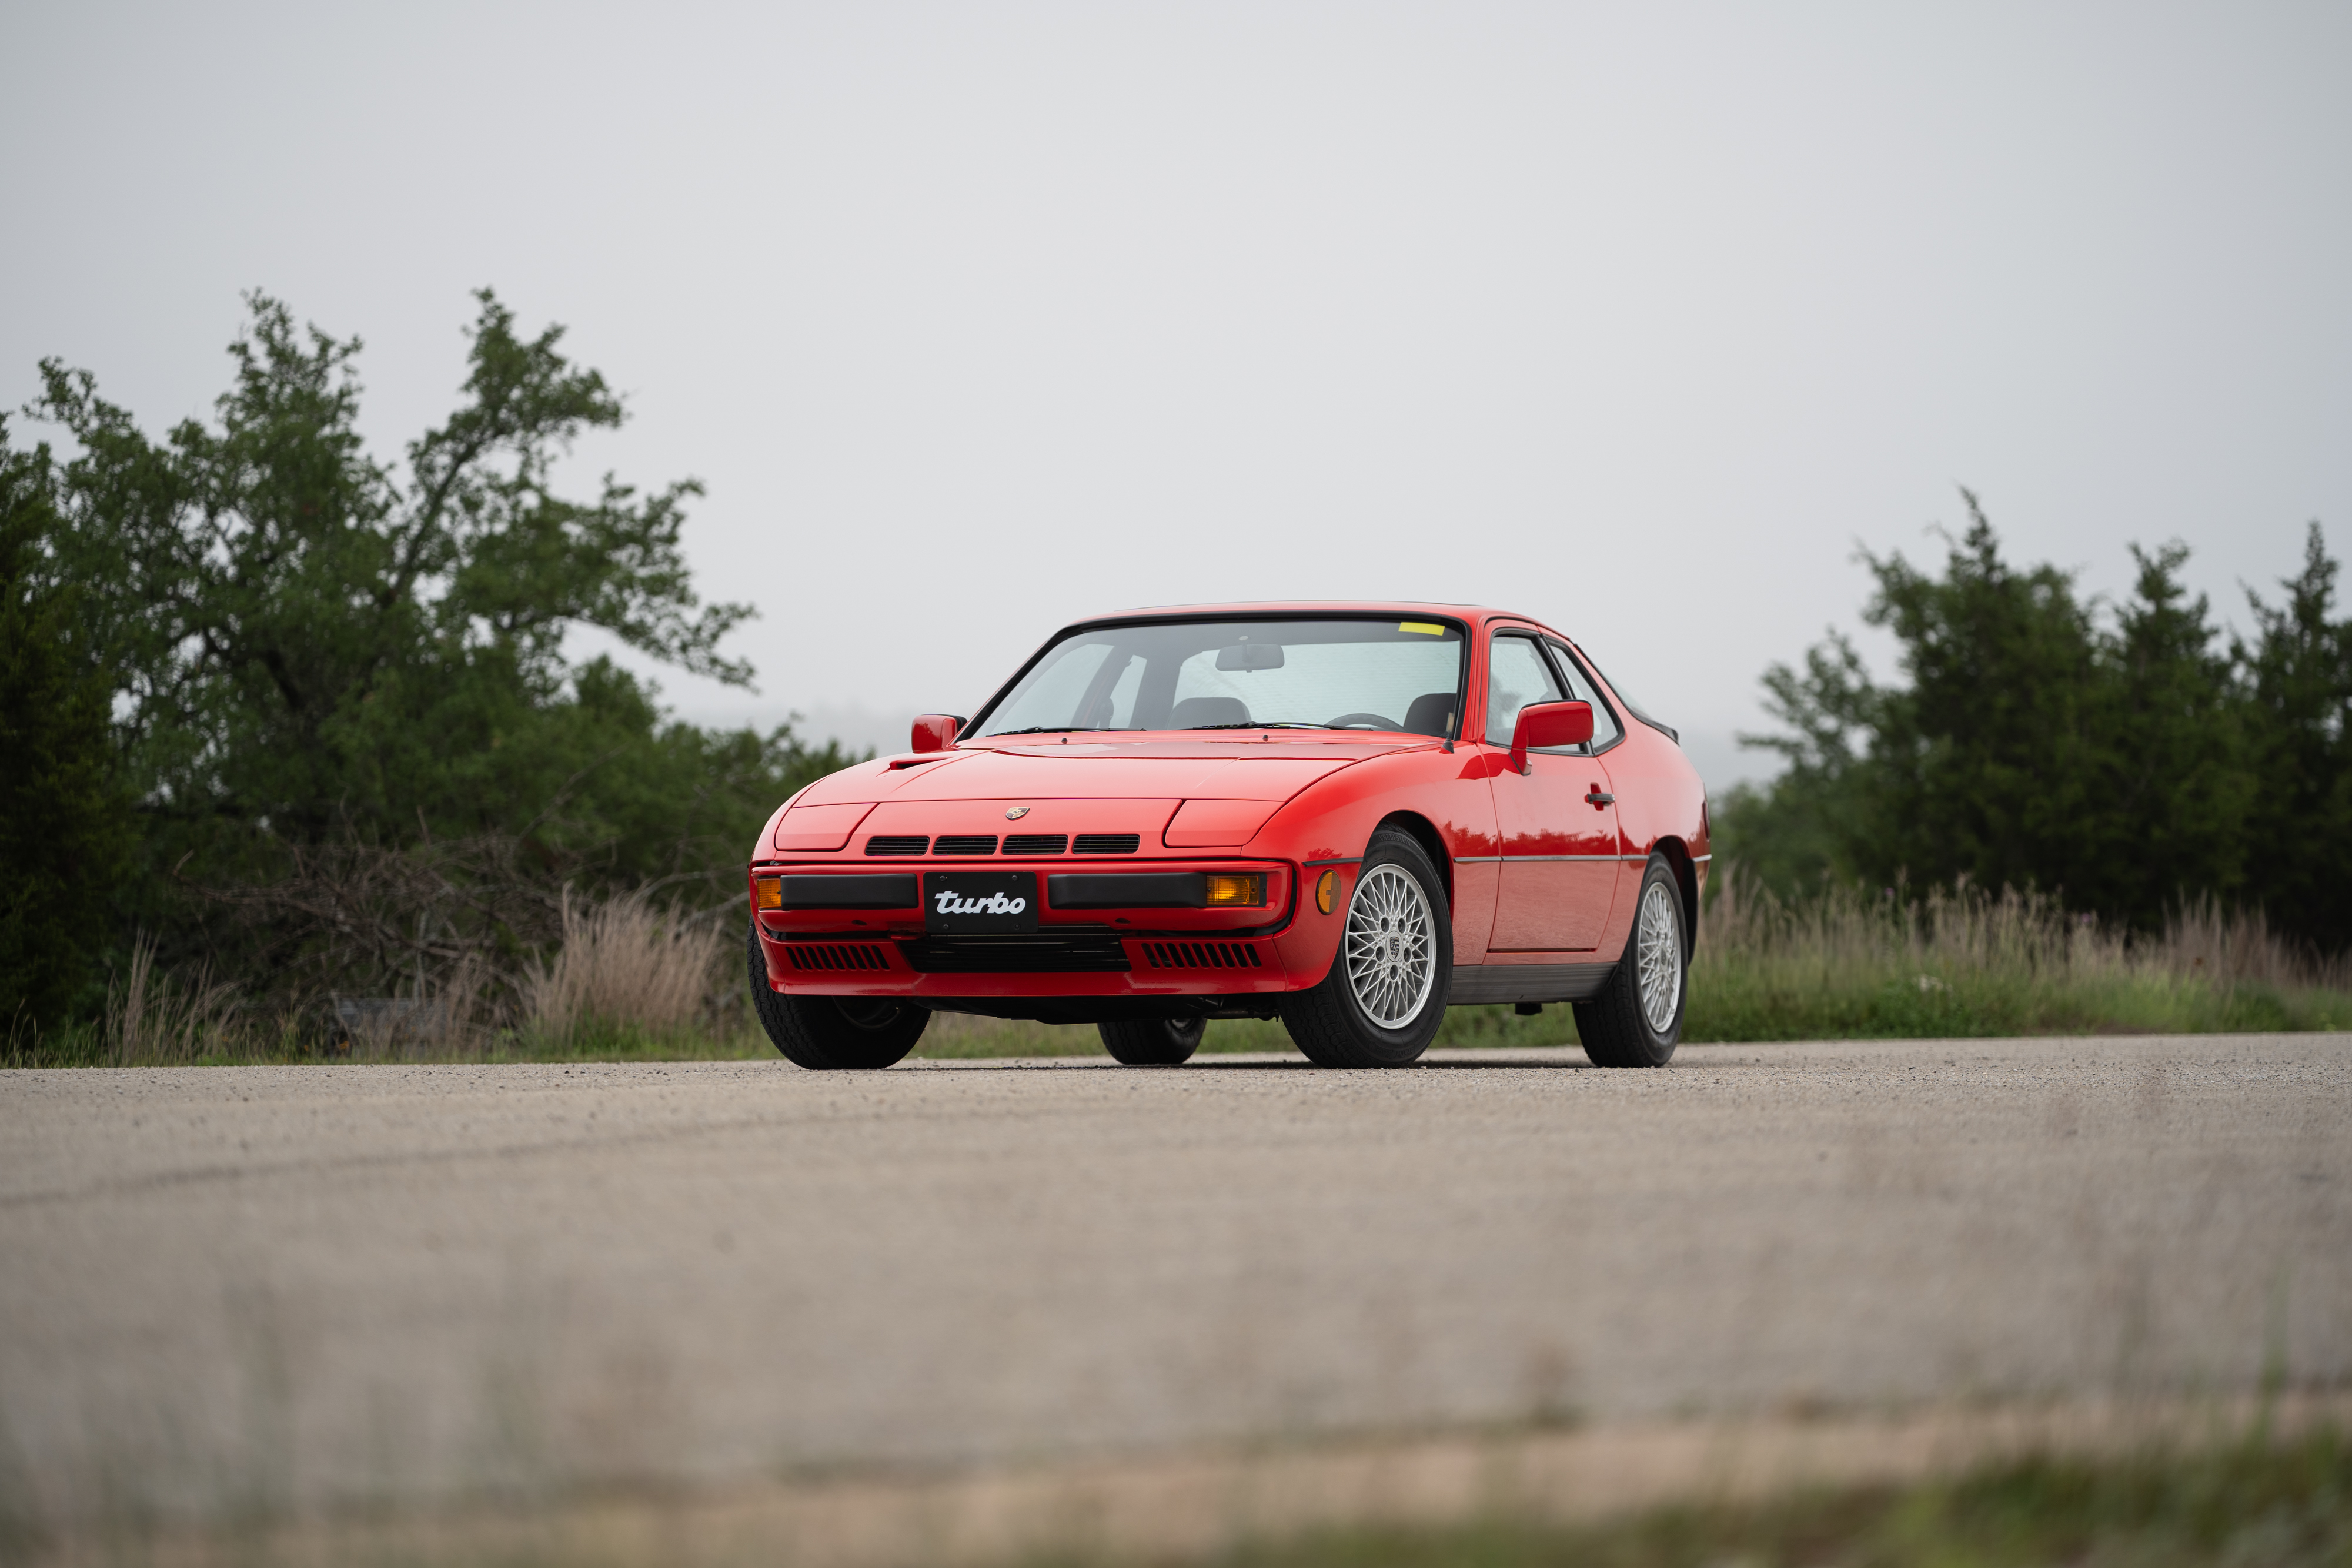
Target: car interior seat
[
  {"x": 1194, "y": 712},
  {"x": 1431, "y": 715}
]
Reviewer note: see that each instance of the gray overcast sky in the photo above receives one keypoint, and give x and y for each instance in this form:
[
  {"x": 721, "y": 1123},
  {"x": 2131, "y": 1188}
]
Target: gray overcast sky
[{"x": 977, "y": 318}]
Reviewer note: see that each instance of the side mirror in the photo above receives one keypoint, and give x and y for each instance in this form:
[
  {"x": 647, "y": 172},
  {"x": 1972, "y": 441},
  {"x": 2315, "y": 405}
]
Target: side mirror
[
  {"x": 1549, "y": 724},
  {"x": 936, "y": 731}
]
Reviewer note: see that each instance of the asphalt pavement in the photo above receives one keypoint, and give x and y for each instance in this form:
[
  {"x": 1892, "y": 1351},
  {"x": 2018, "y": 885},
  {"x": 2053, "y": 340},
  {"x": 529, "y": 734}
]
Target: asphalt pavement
[{"x": 283, "y": 1287}]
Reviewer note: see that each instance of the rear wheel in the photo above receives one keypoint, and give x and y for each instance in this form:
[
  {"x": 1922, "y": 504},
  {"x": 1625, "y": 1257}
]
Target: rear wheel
[
  {"x": 1153, "y": 1043},
  {"x": 1385, "y": 996},
  {"x": 1637, "y": 1018},
  {"x": 826, "y": 1033}
]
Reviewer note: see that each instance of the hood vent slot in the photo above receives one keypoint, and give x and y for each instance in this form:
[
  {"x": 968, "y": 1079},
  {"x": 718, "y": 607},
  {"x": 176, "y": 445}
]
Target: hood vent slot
[
  {"x": 1036, "y": 843},
  {"x": 1108, "y": 843},
  {"x": 882, "y": 845},
  {"x": 965, "y": 844}
]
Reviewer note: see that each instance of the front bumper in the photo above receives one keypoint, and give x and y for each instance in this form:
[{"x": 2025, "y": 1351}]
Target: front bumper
[{"x": 1104, "y": 953}]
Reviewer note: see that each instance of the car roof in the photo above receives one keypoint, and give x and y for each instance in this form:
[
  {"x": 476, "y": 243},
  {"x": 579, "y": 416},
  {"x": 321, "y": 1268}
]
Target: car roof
[{"x": 1475, "y": 614}]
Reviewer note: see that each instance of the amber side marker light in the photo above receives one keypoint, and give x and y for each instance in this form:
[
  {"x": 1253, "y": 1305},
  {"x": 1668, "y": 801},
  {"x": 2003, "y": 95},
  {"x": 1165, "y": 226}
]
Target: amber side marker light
[
  {"x": 1326, "y": 888},
  {"x": 767, "y": 893},
  {"x": 1229, "y": 890}
]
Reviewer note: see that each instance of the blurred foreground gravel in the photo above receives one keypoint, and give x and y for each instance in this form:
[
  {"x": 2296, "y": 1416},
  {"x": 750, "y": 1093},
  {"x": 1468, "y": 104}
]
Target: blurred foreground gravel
[{"x": 273, "y": 1288}]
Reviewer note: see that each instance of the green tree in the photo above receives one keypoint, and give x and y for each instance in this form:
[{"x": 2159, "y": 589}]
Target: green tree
[
  {"x": 2170, "y": 786},
  {"x": 2032, "y": 741},
  {"x": 65, "y": 829},
  {"x": 318, "y": 651},
  {"x": 1981, "y": 765},
  {"x": 305, "y": 635},
  {"x": 2296, "y": 683}
]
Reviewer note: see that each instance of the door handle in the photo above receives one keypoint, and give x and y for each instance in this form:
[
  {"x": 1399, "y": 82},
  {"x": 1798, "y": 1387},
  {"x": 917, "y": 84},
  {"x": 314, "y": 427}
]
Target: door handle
[{"x": 1596, "y": 798}]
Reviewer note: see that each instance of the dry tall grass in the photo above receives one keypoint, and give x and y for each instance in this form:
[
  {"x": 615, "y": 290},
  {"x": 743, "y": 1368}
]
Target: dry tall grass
[
  {"x": 439, "y": 1017},
  {"x": 634, "y": 979},
  {"x": 2021, "y": 935},
  {"x": 626, "y": 964},
  {"x": 1848, "y": 960},
  {"x": 155, "y": 1019}
]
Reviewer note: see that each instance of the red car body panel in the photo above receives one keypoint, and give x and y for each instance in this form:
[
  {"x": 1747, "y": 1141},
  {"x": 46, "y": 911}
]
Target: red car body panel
[{"x": 1539, "y": 867}]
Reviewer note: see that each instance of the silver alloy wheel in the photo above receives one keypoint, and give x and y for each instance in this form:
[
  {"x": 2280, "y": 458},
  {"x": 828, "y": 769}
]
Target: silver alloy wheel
[
  {"x": 1391, "y": 946},
  {"x": 1659, "y": 952}
]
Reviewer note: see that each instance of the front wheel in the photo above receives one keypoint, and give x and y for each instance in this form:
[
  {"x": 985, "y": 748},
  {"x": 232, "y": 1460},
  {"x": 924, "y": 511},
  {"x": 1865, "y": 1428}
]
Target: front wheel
[
  {"x": 1637, "y": 1018},
  {"x": 826, "y": 1033},
  {"x": 1153, "y": 1043},
  {"x": 1385, "y": 996}
]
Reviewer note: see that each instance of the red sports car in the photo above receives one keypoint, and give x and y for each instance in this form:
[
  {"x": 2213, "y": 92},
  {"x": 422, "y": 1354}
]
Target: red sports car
[{"x": 1347, "y": 817}]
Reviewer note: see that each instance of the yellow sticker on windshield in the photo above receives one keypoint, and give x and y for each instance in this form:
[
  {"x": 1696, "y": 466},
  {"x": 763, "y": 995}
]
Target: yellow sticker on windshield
[{"x": 1432, "y": 627}]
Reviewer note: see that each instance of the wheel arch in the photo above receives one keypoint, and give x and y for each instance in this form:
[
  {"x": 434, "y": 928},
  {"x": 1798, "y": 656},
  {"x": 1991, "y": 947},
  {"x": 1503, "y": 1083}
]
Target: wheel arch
[
  {"x": 1424, "y": 832},
  {"x": 1685, "y": 870}
]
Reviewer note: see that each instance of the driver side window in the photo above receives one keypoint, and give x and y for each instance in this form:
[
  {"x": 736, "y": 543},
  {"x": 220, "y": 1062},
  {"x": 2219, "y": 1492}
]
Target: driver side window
[{"x": 1516, "y": 674}]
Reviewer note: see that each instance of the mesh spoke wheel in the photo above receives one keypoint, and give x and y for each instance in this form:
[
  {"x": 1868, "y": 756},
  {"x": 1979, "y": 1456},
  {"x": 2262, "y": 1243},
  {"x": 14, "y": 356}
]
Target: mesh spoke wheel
[
  {"x": 1659, "y": 937},
  {"x": 1391, "y": 947}
]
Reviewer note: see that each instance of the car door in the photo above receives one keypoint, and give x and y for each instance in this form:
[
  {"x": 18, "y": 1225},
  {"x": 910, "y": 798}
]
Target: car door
[{"x": 1557, "y": 821}]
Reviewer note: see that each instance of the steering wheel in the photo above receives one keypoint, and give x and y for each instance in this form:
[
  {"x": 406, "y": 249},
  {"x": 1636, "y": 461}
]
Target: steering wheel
[{"x": 1373, "y": 720}]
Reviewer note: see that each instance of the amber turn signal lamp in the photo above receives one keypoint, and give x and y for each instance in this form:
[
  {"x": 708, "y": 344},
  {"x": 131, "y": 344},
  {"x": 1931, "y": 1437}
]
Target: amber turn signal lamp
[
  {"x": 767, "y": 893},
  {"x": 1236, "y": 889},
  {"x": 1326, "y": 888}
]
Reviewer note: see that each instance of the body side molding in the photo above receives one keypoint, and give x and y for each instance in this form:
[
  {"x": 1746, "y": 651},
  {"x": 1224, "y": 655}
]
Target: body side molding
[{"x": 1528, "y": 982}]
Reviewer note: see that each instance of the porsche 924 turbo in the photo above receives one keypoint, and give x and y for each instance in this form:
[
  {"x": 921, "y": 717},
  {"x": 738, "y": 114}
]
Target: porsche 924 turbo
[{"x": 1349, "y": 818}]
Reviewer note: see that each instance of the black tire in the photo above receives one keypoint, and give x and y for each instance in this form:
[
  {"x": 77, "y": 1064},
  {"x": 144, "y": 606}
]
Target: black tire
[
  {"x": 1618, "y": 1026},
  {"x": 1153, "y": 1043},
  {"x": 1330, "y": 1023},
  {"x": 834, "y": 1033}
]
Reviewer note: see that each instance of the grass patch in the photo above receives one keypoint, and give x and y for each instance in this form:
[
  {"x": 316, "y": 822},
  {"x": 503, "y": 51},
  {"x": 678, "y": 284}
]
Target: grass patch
[
  {"x": 2280, "y": 1505},
  {"x": 1849, "y": 964},
  {"x": 1761, "y": 1000},
  {"x": 634, "y": 982}
]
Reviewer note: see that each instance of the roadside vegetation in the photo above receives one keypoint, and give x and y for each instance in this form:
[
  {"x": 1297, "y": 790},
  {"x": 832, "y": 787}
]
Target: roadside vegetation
[
  {"x": 298, "y": 765},
  {"x": 2257, "y": 1500},
  {"x": 2284, "y": 1505},
  {"x": 633, "y": 979},
  {"x": 300, "y": 721},
  {"x": 2121, "y": 757}
]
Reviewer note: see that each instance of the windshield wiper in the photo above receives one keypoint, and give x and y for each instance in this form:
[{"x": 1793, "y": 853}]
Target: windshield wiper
[
  {"x": 1048, "y": 729},
  {"x": 1263, "y": 724}
]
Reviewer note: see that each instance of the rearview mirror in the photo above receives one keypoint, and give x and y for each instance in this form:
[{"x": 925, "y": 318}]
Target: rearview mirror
[
  {"x": 1250, "y": 656},
  {"x": 1549, "y": 724},
  {"x": 936, "y": 731}
]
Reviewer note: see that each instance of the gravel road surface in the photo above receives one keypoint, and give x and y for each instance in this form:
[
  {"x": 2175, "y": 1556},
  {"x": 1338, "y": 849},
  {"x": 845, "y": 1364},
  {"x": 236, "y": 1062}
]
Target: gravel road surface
[{"x": 228, "y": 1287}]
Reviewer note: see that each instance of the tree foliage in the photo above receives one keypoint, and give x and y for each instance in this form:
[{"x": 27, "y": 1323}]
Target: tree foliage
[
  {"x": 312, "y": 647},
  {"x": 2295, "y": 714},
  {"x": 65, "y": 827},
  {"x": 2126, "y": 759}
]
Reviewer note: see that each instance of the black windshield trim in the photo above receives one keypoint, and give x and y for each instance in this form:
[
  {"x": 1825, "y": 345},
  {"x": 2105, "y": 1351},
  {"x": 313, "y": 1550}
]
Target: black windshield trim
[{"x": 1110, "y": 623}]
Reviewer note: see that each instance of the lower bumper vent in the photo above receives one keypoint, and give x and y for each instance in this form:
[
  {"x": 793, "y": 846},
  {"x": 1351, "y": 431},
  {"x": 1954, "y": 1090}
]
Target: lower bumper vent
[
  {"x": 1088, "y": 955},
  {"x": 818, "y": 958},
  {"x": 1202, "y": 954}
]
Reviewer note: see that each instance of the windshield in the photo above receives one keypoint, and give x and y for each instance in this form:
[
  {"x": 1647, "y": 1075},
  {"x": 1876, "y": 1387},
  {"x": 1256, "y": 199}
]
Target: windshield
[{"x": 1370, "y": 674}]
